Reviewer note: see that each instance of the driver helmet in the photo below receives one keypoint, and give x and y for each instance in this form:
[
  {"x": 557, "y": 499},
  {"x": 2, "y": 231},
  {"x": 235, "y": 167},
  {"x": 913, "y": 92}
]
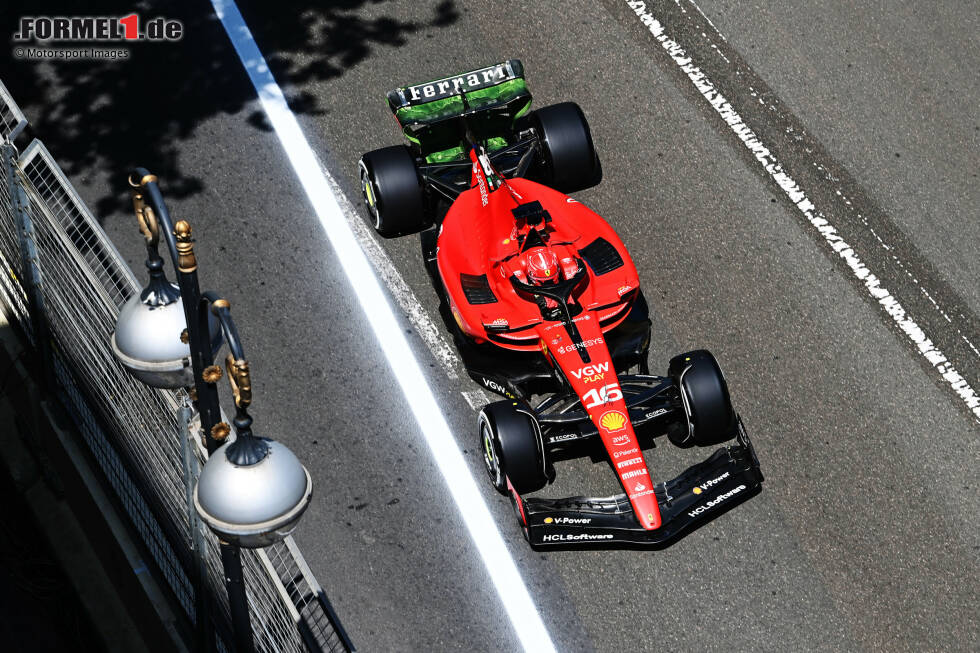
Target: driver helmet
[{"x": 541, "y": 265}]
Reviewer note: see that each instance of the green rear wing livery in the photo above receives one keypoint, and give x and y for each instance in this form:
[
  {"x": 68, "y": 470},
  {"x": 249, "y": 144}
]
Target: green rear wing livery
[{"x": 489, "y": 99}]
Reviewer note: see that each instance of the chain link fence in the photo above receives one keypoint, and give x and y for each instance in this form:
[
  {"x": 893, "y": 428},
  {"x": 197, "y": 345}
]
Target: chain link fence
[{"x": 63, "y": 281}]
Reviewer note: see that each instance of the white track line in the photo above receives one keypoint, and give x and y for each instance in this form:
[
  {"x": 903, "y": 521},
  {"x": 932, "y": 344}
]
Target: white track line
[
  {"x": 449, "y": 459},
  {"x": 886, "y": 300},
  {"x": 399, "y": 289}
]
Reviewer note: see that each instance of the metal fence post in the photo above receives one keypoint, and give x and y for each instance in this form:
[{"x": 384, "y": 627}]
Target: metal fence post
[
  {"x": 29, "y": 263},
  {"x": 205, "y": 633}
]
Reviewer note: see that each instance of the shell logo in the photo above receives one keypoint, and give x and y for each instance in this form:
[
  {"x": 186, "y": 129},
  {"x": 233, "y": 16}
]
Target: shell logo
[
  {"x": 613, "y": 420},
  {"x": 696, "y": 490},
  {"x": 548, "y": 520}
]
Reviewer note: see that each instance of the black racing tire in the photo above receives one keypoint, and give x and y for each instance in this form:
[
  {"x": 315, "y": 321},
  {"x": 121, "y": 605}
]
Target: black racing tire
[
  {"x": 392, "y": 192},
  {"x": 710, "y": 417},
  {"x": 510, "y": 440},
  {"x": 570, "y": 160}
]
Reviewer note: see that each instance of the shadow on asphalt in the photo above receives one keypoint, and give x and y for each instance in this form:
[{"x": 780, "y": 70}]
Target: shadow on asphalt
[{"x": 110, "y": 115}]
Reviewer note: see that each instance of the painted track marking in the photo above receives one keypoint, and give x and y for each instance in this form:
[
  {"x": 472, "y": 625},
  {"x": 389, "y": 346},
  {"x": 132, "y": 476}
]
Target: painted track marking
[
  {"x": 397, "y": 285},
  {"x": 502, "y": 569},
  {"x": 886, "y": 300}
]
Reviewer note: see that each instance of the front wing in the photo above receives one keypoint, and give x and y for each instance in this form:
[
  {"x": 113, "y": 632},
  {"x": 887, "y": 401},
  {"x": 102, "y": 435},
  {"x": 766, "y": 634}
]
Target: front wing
[{"x": 728, "y": 477}]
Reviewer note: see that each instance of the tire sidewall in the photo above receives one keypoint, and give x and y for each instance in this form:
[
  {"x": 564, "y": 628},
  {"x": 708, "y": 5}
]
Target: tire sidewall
[
  {"x": 516, "y": 445},
  {"x": 371, "y": 204},
  {"x": 568, "y": 153},
  {"x": 707, "y": 403},
  {"x": 490, "y": 449},
  {"x": 391, "y": 176}
]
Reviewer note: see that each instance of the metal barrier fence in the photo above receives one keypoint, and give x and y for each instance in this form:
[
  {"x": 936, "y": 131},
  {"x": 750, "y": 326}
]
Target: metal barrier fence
[{"x": 64, "y": 282}]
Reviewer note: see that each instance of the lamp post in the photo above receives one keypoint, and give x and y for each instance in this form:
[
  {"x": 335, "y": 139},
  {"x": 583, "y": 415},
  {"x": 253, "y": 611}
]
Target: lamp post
[{"x": 252, "y": 491}]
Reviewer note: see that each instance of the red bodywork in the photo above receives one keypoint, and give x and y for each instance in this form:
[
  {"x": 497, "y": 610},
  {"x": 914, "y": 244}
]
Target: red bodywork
[{"x": 480, "y": 235}]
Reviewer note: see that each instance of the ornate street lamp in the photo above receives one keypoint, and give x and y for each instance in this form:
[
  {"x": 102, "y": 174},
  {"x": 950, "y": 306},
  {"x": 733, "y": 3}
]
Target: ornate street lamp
[
  {"x": 252, "y": 491},
  {"x": 150, "y": 338}
]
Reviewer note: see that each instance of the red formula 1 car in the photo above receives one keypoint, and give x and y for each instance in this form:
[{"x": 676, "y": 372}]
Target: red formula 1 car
[{"x": 545, "y": 308}]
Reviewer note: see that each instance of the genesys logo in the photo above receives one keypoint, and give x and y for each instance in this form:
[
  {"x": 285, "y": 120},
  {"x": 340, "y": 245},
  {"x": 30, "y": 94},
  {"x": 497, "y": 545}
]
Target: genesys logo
[
  {"x": 568, "y": 520},
  {"x": 591, "y": 373},
  {"x": 579, "y": 537},
  {"x": 585, "y": 344},
  {"x": 714, "y": 502},
  {"x": 67, "y": 29},
  {"x": 627, "y": 463}
]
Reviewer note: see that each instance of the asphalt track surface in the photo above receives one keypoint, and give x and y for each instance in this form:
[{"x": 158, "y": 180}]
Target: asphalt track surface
[{"x": 865, "y": 535}]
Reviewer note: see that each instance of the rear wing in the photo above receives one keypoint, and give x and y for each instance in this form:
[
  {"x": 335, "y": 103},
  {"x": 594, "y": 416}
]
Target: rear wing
[{"x": 489, "y": 87}]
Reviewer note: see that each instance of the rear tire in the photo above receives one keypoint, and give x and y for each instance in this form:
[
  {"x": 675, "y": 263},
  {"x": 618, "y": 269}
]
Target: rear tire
[
  {"x": 711, "y": 419},
  {"x": 570, "y": 159},
  {"x": 510, "y": 440},
  {"x": 393, "y": 192}
]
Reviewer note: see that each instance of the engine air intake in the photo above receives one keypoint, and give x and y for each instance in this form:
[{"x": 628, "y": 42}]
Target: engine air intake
[
  {"x": 477, "y": 289},
  {"x": 601, "y": 256}
]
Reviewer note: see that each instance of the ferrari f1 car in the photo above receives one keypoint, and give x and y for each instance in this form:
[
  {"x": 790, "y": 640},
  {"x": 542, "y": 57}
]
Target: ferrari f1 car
[{"x": 545, "y": 307}]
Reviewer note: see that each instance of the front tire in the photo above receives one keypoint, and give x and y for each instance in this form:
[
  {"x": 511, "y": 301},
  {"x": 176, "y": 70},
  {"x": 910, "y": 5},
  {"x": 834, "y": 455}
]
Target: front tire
[
  {"x": 392, "y": 192},
  {"x": 711, "y": 419},
  {"x": 510, "y": 441}
]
